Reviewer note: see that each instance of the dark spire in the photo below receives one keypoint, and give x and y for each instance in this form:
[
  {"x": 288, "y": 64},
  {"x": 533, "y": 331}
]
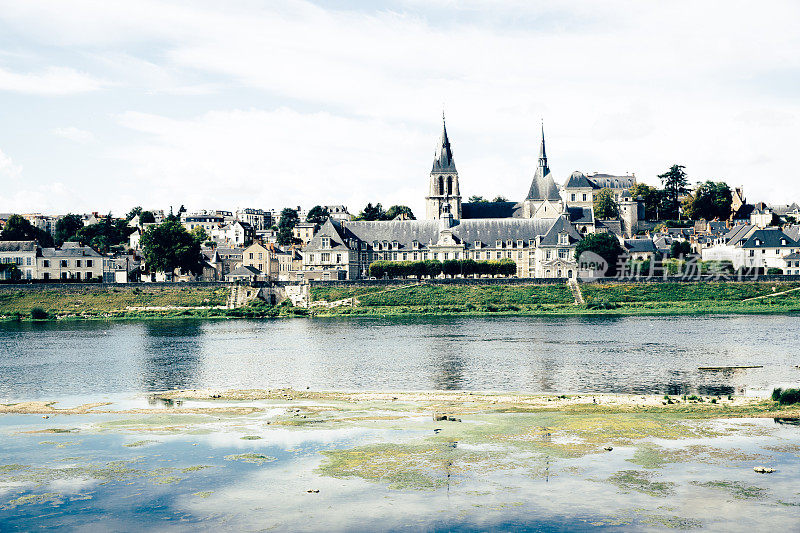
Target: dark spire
[
  {"x": 443, "y": 158},
  {"x": 543, "y": 155}
]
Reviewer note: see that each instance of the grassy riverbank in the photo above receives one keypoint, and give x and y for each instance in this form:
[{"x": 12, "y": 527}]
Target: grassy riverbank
[
  {"x": 600, "y": 299},
  {"x": 195, "y": 301}
]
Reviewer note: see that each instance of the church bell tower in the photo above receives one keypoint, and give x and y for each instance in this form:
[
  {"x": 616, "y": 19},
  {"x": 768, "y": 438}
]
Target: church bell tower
[{"x": 443, "y": 188}]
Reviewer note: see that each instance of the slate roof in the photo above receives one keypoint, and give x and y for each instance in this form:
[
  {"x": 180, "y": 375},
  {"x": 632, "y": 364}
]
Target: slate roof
[
  {"x": 426, "y": 232},
  {"x": 490, "y": 210},
  {"x": 560, "y": 226},
  {"x": 640, "y": 245},
  {"x": 738, "y": 233},
  {"x": 793, "y": 231},
  {"x": 793, "y": 256},
  {"x": 577, "y": 179},
  {"x": 768, "y": 238},
  {"x": 601, "y": 181},
  {"x": 244, "y": 270},
  {"x": 17, "y": 246},
  {"x": 613, "y": 226},
  {"x": 581, "y": 215},
  {"x": 443, "y": 157},
  {"x": 70, "y": 250},
  {"x": 542, "y": 185}
]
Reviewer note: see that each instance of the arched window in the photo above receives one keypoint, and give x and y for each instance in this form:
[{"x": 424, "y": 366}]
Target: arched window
[
  {"x": 449, "y": 185},
  {"x": 441, "y": 185}
]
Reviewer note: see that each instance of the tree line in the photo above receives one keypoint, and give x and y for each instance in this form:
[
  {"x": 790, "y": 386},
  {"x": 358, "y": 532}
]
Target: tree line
[{"x": 451, "y": 267}]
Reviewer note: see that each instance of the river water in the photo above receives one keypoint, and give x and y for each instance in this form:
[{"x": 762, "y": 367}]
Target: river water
[{"x": 659, "y": 355}]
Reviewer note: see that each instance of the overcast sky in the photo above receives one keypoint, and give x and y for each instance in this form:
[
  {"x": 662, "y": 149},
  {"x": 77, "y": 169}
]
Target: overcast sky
[{"x": 105, "y": 104}]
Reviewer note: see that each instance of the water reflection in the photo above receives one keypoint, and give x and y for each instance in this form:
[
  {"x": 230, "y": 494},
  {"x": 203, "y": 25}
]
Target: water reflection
[
  {"x": 565, "y": 355},
  {"x": 172, "y": 355}
]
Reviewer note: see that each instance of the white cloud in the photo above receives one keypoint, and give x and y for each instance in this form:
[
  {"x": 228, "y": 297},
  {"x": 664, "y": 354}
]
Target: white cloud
[
  {"x": 8, "y": 169},
  {"x": 53, "y": 81},
  {"x": 621, "y": 86},
  {"x": 74, "y": 134}
]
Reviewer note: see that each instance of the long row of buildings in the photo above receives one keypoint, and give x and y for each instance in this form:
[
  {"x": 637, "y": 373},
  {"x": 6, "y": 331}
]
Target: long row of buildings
[{"x": 539, "y": 233}]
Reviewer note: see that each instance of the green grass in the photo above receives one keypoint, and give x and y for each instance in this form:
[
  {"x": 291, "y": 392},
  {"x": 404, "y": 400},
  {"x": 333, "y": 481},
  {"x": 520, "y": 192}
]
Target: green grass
[
  {"x": 101, "y": 299},
  {"x": 476, "y": 295},
  {"x": 682, "y": 292}
]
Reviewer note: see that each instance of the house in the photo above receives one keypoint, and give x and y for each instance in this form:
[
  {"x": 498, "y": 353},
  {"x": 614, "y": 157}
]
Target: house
[
  {"x": 224, "y": 260},
  {"x": 263, "y": 258},
  {"x": 257, "y": 218},
  {"x": 641, "y": 249},
  {"x": 750, "y": 246},
  {"x": 792, "y": 264},
  {"x": 237, "y": 233},
  {"x": 290, "y": 262},
  {"x": 338, "y": 212},
  {"x": 208, "y": 221},
  {"x": 20, "y": 253},
  {"x": 121, "y": 268},
  {"x": 72, "y": 261},
  {"x": 763, "y": 216},
  {"x": 244, "y": 274},
  {"x": 304, "y": 231}
]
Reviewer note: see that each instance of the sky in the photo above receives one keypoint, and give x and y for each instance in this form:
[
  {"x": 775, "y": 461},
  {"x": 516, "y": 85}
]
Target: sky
[{"x": 105, "y": 105}]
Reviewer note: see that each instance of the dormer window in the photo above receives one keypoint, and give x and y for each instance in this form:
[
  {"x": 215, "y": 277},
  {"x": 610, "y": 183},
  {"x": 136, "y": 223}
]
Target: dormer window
[
  {"x": 415, "y": 244},
  {"x": 563, "y": 238},
  {"x": 509, "y": 243},
  {"x": 498, "y": 244},
  {"x": 477, "y": 245},
  {"x": 395, "y": 245},
  {"x": 758, "y": 242},
  {"x": 520, "y": 243},
  {"x": 326, "y": 242},
  {"x": 783, "y": 242}
]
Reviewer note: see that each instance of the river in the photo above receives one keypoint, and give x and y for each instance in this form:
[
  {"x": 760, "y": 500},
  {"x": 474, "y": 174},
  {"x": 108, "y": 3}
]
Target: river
[{"x": 658, "y": 355}]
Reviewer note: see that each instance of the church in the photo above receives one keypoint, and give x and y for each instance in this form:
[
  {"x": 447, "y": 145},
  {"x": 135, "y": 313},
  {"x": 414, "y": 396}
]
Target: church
[{"x": 539, "y": 233}]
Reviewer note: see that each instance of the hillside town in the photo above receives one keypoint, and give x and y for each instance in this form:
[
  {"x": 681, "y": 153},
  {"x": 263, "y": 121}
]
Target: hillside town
[{"x": 708, "y": 223}]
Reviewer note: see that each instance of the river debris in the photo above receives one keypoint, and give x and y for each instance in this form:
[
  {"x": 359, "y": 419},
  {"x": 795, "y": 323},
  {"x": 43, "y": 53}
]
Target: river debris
[{"x": 763, "y": 470}]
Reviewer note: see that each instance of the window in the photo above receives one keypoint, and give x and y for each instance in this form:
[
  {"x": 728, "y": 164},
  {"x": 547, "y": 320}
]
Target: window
[
  {"x": 338, "y": 258},
  {"x": 251, "y": 255},
  {"x": 572, "y": 197},
  {"x": 441, "y": 185},
  {"x": 416, "y": 256},
  {"x": 325, "y": 257},
  {"x": 520, "y": 244},
  {"x": 64, "y": 263},
  {"x": 405, "y": 256},
  {"x": 446, "y": 256},
  {"x": 584, "y": 197},
  {"x": 46, "y": 275},
  {"x": 89, "y": 263},
  {"x": 326, "y": 242},
  {"x": 449, "y": 185},
  {"x": 498, "y": 244},
  {"x": 260, "y": 255},
  {"x": 28, "y": 261},
  {"x": 477, "y": 244},
  {"x": 46, "y": 264}
]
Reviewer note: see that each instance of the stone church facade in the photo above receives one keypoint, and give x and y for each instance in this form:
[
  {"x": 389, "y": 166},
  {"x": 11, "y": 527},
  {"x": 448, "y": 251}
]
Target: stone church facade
[{"x": 539, "y": 233}]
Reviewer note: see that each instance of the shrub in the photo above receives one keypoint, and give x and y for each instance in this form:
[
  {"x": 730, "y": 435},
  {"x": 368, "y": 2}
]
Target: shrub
[
  {"x": 786, "y": 397},
  {"x": 37, "y": 313},
  {"x": 772, "y": 271}
]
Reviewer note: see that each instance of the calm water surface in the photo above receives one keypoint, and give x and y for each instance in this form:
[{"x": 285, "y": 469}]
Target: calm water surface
[{"x": 630, "y": 354}]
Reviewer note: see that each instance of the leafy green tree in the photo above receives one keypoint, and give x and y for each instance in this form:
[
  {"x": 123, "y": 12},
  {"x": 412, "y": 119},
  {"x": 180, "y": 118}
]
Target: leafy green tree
[
  {"x": 168, "y": 247},
  {"x": 606, "y": 245},
  {"x": 433, "y": 267},
  {"x": 11, "y": 271},
  {"x": 104, "y": 235},
  {"x": 396, "y": 210},
  {"x": 650, "y": 196},
  {"x": 605, "y": 206},
  {"x": 451, "y": 267},
  {"x": 500, "y": 199},
  {"x": 372, "y": 212},
  {"x": 147, "y": 217},
  {"x": 136, "y": 211},
  {"x": 475, "y": 199},
  {"x": 674, "y": 181},
  {"x": 67, "y": 227},
  {"x": 199, "y": 234},
  {"x": 709, "y": 201},
  {"x": 680, "y": 249},
  {"x": 18, "y": 228},
  {"x": 317, "y": 215},
  {"x": 286, "y": 224}
]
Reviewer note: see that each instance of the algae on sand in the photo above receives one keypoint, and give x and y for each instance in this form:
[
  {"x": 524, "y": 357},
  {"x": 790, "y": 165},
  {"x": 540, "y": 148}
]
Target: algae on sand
[
  {"x": 641, "y": 481},
  {"x": 255, "y": 458}
]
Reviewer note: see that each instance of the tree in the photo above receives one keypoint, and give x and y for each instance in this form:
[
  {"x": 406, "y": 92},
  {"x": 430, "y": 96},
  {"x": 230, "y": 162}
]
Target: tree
[
  {"x": 147, "y": 217},
  {"x": 136, "y": 211},
  {"x": 674, "y": 181},
  {"x": 168, "y": 247},
  {"x": 66, "y": 227},
  {"x": 199, "y": 234},
  {"x": 371, "y": 212},
  {"x": 317, "y": 215},
  {"x": 680, "y": 249},
  {"x": 475, "y": 199},
  {"x": 104, "y": 235},
  {"x": 606, "y": 245},
  {"x": 396, "y": 210},
  {"x": 709, "y": 201},
  {"x": 500, "y": 199},
  {"x": 605, "y": 206},
  {"x": 18, "y": 228},
  {"x": 286, "y": 224},
  {"x": 650, "y": 197}
]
